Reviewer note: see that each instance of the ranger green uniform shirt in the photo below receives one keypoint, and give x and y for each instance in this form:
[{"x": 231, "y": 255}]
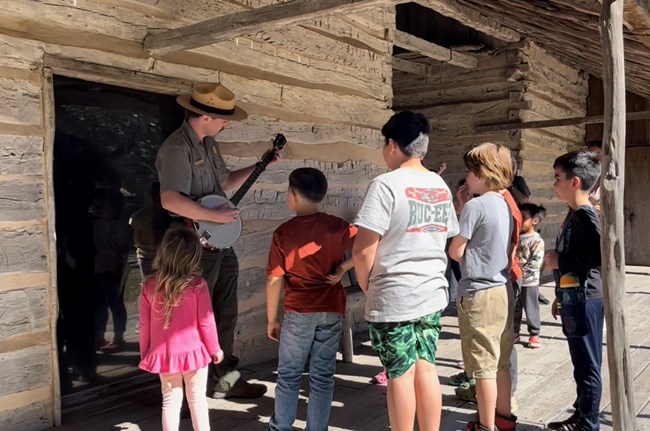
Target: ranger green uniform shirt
[{"x": 190, "y": 166}]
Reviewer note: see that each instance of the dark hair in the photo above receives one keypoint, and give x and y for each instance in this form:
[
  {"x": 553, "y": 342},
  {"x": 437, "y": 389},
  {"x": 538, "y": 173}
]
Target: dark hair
[
  {"x": 310, "y": 183},
  {"x": 405, "y": 128},
  {"x": 597, "y": 144},
  {"x": 191, "y": 114},
  {"x": 581, "y": 164},
  {"x": 535, "y": 211}
]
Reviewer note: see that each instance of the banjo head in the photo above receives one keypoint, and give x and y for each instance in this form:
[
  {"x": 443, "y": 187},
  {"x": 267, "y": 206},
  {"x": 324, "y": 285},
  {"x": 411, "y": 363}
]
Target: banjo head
[
  {"x": 217, "y": 235},
  {"x": 214, "y": 201}
]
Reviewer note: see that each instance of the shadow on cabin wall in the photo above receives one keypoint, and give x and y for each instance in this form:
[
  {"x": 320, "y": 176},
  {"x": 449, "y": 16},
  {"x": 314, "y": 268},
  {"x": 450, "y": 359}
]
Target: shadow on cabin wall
[{"x": 104, "y": 152}]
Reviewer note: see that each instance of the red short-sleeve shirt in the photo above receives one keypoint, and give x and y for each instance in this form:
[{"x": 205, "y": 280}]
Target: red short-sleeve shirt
[
  {"x": 304, "y": 251},
  {"x": 515, "y": 270}
]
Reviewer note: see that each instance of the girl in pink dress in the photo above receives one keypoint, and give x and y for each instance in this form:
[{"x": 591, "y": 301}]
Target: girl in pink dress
[{"x": 178, "y": 334}]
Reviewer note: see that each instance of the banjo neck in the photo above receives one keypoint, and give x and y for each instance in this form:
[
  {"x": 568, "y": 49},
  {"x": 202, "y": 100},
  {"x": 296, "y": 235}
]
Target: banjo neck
[
  {"x": 278, "y": 143},
  {"x": 239, "y": 194}
]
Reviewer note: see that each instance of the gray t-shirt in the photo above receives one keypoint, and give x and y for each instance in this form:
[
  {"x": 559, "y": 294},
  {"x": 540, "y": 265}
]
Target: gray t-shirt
[
  {"x": 486, "y": 223},
  {"x": 413, "y": 212}
]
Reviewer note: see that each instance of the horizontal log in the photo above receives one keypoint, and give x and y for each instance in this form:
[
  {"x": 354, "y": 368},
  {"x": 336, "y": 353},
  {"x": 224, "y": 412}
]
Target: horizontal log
[
  {"x": 437, "y": 52},
  {"x": 471, "y": 18},
  {"x": 259, "y": 128},
  {"x": 338, "y": 152},
  {"x": 262, "y": 60},
  {"x": 20, "y": 155},
  {"x": 245, "y": 22},
  {"x": 36, "y": 415},
  {"x": 349, "y": 32},
  {"x": 257, "y": 97},
  {"x": 21, "y": 200},
  {"x": 116, "y": 75},
  {"x": 251, "y": 291},
  {"x": 21, "y": 101},
  {"x": 23, "y": 312},
  {"x": 473, "y": 94},
  {"x": 574, "y": 121},
  {"x": 411, "y": 67},
  {"x": 22, "y": 251},
  {"x": 24, "y": 370}
]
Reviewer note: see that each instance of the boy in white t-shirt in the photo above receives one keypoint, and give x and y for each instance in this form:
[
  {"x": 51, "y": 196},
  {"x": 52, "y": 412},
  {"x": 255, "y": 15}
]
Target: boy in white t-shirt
[{"x": 400, "y": 261}]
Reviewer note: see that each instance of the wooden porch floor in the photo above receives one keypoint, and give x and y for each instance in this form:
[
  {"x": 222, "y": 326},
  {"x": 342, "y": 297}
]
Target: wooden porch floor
[{"x": 545, "y": 391}]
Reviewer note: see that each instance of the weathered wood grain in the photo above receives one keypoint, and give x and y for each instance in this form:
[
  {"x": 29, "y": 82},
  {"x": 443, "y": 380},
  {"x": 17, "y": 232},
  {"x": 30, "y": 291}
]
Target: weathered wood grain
[
  {"x": 24, "y": 370},
  {"x": 23, "y": 311},
  {"x": 241, "y": 23},
  {"x": 21, "y": 200},
  {"x": 49, "y": 124},
  {"x": 21, "y": 155},
  {"x": 21, "y": 101},
  {"x": 437, "y": 52},
  {"x": 22, "y": 251},
  {"x": 32, "y": 417},
  {"x": 613, "y": 216},
  {"x": 471, "y": 18}
]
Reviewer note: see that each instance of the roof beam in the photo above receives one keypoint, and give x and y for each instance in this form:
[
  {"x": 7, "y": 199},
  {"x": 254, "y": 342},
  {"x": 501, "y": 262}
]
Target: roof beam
[
  {"x": 411, "y": 67},
  {"x": 470, "y": 17},
  {"x": 241, "y": 23},
  {"x": 437, "y": 52},
  {"x": 561, "y": 122}
]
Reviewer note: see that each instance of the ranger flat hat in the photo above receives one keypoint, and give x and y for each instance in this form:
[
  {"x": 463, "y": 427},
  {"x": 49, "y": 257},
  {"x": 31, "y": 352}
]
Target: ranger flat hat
[{"x": 213, "y": 100}]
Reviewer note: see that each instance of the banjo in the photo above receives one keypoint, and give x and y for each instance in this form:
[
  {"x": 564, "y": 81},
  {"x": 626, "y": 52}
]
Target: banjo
[{"x": 217, "y": 235}]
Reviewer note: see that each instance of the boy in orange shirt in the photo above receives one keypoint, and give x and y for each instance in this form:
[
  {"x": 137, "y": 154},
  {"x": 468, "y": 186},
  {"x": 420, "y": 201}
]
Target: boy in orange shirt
[{"x": 307, "y": 260}]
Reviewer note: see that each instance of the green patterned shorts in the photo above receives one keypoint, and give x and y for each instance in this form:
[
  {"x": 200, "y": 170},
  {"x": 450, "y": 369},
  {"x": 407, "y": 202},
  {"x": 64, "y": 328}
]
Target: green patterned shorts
[{"x": 400, "y": 344}]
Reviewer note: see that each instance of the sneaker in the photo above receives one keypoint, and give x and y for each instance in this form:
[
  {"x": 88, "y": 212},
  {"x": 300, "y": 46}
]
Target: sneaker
[
  {"x": 242, "y": 390},
  {"x": 460, "y": 378},
  {"x": 467, "y": 391},
  {"x": 450, "y": 310},
  {"x": 502, "y": 423},
  {"x": 380, "y": 378},
  {"x": 476, "y": 426},
  {"x": 513, "y": 405},
  {"x": 572, "y": 423},
  {"x": 114, "y": 346},
  {"x": 534, "y": 342},
  {"x": 543, "y": 299}
]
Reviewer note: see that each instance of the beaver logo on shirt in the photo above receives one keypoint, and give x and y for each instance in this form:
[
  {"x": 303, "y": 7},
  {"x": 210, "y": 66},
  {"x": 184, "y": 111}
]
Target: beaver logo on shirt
[{"x": 429, "y": 209}]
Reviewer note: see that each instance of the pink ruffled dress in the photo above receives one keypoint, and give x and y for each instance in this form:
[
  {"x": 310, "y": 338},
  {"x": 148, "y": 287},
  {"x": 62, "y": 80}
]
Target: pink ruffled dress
[{"x": 189, "y": 342}]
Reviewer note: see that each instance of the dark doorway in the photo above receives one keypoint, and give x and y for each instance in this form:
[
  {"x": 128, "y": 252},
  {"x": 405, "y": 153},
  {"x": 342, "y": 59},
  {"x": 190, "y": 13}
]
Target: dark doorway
[
  {"x": 637, "y": 169},
  {"x": 104, "y": 152}
]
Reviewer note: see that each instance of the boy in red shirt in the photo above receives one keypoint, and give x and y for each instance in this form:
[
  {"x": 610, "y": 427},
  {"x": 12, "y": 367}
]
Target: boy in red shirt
[{"x": 307, "y": 260}]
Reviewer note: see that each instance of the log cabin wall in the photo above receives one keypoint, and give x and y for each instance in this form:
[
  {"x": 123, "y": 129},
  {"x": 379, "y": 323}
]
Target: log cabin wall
[
  {"x": 28, "y": 381},
  {"x": 519, "y": 82},
  {"x": 455, "y": 100},
  {"x": 553, "y": 90},
  {"x": 327, "y": 85}
]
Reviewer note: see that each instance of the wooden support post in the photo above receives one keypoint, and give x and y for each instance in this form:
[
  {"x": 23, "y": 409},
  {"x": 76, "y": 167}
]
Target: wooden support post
[{"x": 613, "y": 233}]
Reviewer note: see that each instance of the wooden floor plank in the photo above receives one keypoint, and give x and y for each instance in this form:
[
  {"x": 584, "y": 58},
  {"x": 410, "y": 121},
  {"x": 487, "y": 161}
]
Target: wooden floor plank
[{"x": 546, "y": 385}]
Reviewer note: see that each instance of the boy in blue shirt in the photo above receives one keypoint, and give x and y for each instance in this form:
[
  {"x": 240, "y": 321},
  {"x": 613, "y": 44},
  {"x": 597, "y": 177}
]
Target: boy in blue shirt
[{"x": 579, "y": 302}]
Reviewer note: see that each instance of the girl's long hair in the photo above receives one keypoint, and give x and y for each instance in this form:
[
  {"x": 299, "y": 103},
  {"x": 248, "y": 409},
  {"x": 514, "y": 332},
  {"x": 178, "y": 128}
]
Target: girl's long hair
[{"x": 176, "y": 263}]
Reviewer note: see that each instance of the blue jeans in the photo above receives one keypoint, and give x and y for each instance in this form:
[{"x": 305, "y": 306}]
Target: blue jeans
[
  {"x": 587, "y": 357},
  {"x": 302, "y": 334}
]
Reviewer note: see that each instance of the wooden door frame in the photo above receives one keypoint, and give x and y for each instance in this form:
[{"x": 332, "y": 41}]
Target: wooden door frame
[
  {"x": 92, "y": 72},
  {"x": 48, "y": 173}
]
